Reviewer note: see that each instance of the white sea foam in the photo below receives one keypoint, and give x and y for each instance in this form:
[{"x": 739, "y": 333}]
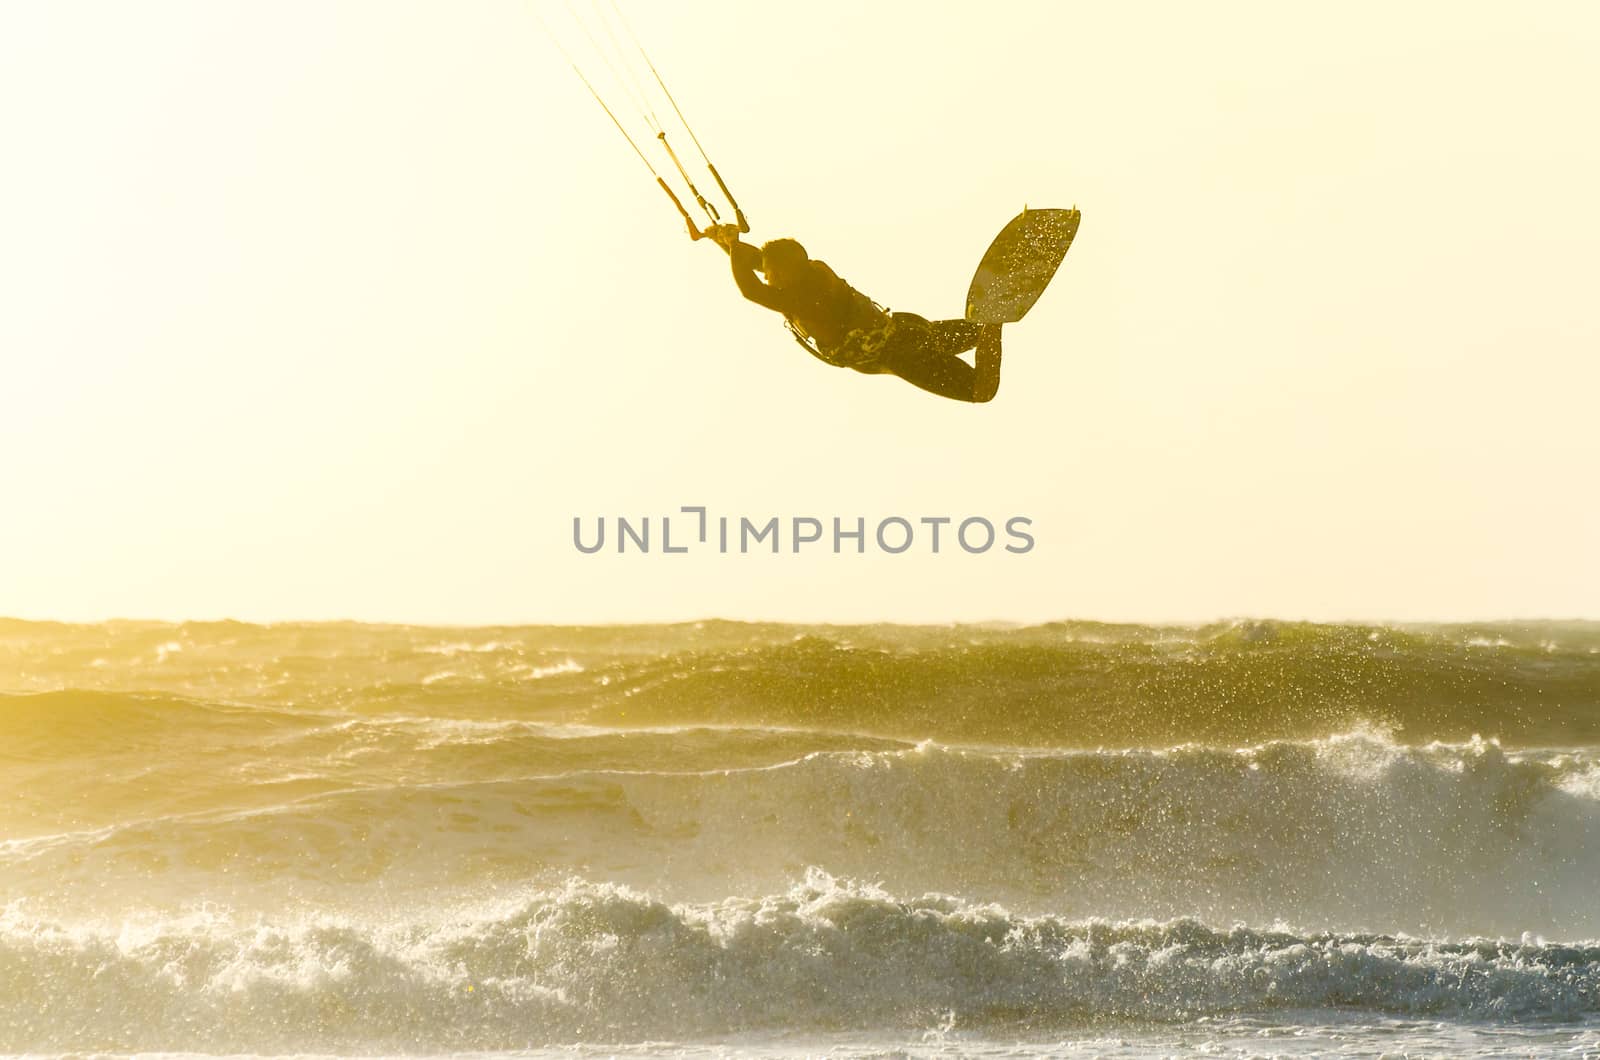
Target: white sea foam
[
  {"x": 463, "y": 647},
  {"x": 602, "y": 962}
]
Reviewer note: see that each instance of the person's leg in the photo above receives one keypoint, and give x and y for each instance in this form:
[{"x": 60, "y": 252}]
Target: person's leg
[
  {"x": 987, "y": 374},
  {"x": 949, "y": 377},
  {"x": 950, "y": 337},
  {"x": 923, "y": 353}
]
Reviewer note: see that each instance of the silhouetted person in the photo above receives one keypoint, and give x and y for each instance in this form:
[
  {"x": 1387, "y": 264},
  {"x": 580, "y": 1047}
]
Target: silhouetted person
[{"x": 845, "y": 328}]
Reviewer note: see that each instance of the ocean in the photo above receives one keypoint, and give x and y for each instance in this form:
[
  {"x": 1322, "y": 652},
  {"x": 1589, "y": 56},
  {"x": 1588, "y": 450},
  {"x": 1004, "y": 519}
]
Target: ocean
[{"x": 1247, "y": 838}]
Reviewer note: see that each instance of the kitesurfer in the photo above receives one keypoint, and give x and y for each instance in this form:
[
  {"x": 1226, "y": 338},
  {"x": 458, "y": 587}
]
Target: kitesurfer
[{"x": 845, "y": 328}]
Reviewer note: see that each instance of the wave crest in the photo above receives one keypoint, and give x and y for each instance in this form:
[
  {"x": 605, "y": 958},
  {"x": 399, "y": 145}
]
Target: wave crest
[{"x": 598, "y": 962}]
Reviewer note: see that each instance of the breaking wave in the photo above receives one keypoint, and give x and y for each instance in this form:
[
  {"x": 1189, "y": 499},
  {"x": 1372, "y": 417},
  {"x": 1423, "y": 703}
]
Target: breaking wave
[{"x": 603, "y": 963}]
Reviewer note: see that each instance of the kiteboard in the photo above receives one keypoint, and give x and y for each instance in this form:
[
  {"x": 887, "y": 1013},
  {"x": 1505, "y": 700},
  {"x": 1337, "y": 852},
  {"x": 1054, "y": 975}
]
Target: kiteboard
[{"x": 1019, "y": 265}]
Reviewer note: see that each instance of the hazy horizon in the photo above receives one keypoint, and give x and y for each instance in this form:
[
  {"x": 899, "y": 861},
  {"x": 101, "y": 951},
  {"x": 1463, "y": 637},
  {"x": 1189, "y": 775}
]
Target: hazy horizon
[{"x": 995, "y": 623}]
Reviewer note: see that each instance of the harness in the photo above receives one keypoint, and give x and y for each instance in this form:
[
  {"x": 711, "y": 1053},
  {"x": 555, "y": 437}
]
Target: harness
[{"x": 859, "y": 347}]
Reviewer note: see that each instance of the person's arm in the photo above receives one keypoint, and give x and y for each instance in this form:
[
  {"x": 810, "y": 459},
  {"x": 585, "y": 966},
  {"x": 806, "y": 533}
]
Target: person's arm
[{"x": 745, "y": 260}]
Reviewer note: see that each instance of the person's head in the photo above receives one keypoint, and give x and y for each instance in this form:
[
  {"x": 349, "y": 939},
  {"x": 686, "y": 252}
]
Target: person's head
[{"x": 783, "y": 261}]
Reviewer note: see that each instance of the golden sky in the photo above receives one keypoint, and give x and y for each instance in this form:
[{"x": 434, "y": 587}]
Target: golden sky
[{"x": 346, "y": 309}]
